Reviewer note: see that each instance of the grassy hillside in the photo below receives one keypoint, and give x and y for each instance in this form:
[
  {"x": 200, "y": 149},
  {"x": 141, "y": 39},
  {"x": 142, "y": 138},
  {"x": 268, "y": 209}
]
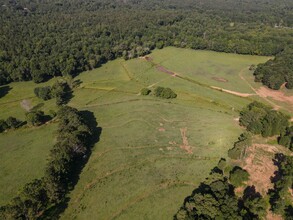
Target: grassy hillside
[{"x": 154, "y": 151}]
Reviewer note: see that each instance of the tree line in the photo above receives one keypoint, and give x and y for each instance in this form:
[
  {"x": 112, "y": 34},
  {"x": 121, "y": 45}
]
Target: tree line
[
  {"x": 275, "y": 72},
  {"x": 215, "y": 197},
  {"x": 38, "y": 42},
  {"x": 40, "y": 196}
]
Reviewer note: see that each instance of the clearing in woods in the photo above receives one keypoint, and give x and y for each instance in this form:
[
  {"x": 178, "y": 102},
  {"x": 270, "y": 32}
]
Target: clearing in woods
[{"x": 152, "y": 152}]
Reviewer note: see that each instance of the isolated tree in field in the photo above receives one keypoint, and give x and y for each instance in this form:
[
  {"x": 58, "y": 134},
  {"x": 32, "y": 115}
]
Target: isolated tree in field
[{"x": 165, "y": 93}]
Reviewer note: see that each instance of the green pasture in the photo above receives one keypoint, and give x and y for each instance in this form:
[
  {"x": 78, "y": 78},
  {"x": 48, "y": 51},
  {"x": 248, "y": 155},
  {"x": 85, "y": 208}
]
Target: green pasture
[
  {"x": 142, "y": 167},
  {"x": 23, "y": 154}
]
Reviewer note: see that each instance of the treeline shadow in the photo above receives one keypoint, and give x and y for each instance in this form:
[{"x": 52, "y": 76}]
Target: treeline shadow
[
  {"x": 4, "y": 90},
  {"x": 80, "y": 162}
]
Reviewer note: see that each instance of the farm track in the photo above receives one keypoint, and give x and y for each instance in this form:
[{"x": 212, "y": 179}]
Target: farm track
[{"x": 243, "y": 95}]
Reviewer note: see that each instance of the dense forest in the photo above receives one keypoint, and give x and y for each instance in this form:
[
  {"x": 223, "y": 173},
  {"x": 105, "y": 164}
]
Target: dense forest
[{"x": 43, "y": 39}]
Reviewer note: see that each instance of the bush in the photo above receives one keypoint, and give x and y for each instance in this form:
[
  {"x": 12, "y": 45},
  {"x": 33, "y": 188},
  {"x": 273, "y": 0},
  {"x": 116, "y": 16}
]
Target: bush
[
  {"x": 13, "y": 122},
  {"x": 3, "y": 126},
  {"x": 238, "y": 176},
  {"x": 145, "y": 91},
  {"x": 240, "y": 146},
  {"x": 35, "y": 118},
  {"x": 43, "y": 92},
  {"x": 165, "y": 93}
]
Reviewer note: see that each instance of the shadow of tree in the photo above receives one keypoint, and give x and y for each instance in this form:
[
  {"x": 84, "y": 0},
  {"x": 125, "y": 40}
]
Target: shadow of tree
[
  {"x": 4, "y": 90},
  {"x": 80, "y": 162}
]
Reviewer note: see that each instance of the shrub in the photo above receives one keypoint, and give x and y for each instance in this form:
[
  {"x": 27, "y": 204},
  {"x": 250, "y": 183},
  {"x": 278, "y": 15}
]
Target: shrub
[
  {"x": 145, "y": 91},
  {"x": 238, "y": 176},
  {"x": 3, "y": 126},
  {"x": 13, "y": 122},
  {"x": 165, "y": 93},
  {"x": 43, "y": 92},
  {"x": 35, "y": 118}
]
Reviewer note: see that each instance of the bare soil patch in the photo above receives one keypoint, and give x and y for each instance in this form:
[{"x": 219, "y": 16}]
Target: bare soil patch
[
  {"x": 219, "y": 79},
  {"x": 26, "y": 104},
  {"x": 260, "y": 166},
  {"x": 277, "y": 95},
  {"x": 232, "y": 92},
  {"x": 185, "y": 145},
  {"x": 164, "y": 70},
  {"x": 272, "y": 216}
]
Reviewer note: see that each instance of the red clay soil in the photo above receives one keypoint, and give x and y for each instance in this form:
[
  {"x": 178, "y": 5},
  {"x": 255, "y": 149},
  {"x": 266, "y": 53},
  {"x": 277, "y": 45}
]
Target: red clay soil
[
  {"x": 260, "y": 166},
  {"x": 185, "y": 145},
  {"x": 277, "y": 95}
]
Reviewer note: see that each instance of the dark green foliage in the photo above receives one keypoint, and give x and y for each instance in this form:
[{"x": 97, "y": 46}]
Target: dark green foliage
[
  {"x": 286, "y": 139},
  {"x": 254, "y": 204},
  {"x": 10, "y": 123},
  {"x": 13, "y": 122},
  {"x": 240, "y": 146},
  {"x": 145, "y": 91},
  {"x": 280, "y": 198},
  {"x": 278, "y": 71},
  {"x": 165, "y": 93},
  {"x": 3, "y": 126},
  {"x": 35, "y": 118},
  {"x": 260, "y": 119},
  {"x": 212, "y": 200},
  {"x": 61, "y": 91},
  {"x": 38, "y": 40},
  {"x": 238, "y": 176},
  {"x": 43, "y": 92}
]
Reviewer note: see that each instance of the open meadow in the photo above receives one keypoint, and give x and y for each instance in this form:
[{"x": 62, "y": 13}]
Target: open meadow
[{"x": 152, "y": 152}]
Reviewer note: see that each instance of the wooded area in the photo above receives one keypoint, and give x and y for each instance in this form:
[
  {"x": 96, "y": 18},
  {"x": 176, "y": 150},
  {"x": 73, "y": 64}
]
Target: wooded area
[{"x": 39, "y": 40}]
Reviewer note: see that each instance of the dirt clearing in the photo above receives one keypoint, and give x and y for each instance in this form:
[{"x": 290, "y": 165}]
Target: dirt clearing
[
  {"x": 277, "y": 95},
  {"x": 260, "y": 166}
]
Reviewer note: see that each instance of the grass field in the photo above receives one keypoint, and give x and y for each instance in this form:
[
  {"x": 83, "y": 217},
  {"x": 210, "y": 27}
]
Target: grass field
[
  {"x": 142, "y": 167},
  {"x": 152, "y": 152},
  {"x": 23, "y": 154}
]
